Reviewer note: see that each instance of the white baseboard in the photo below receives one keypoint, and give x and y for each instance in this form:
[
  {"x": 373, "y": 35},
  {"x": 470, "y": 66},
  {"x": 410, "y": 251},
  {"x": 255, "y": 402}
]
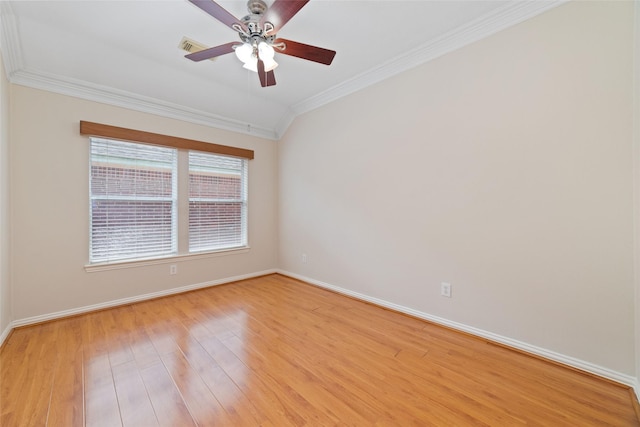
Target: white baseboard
[
  {"x": 548, "y": 354},
  {"x": 130, "y": 300},
  {"x": 6, "y": 333},
  {"x": 542, "y": 352}
]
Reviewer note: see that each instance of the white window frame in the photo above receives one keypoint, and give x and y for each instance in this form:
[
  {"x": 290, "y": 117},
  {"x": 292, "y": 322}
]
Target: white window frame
[{"x": 183, "y": 147}]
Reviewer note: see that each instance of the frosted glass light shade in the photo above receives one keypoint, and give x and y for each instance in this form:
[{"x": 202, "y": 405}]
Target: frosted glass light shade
[
  {"x": 244, "y": 52},
  {"x": 251, "y": 64},
  {"x": 269, "y": 64},
  {"x": 266, "y": 53}
]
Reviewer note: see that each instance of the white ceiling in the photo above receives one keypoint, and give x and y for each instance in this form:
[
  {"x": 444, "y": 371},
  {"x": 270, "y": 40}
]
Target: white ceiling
[{"x": 126, "y": 53}]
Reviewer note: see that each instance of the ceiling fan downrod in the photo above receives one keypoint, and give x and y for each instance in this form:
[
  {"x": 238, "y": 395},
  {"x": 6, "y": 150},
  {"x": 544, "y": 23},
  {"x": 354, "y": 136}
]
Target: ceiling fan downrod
[{"x": 256, "y": 7}]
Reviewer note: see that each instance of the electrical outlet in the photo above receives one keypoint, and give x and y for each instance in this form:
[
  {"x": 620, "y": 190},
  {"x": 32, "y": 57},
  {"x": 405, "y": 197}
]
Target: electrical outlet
[
  {"x": 304, "y": 258},
  {"x": 445, "y": 289},
  {"x": 173, "y": 269}
]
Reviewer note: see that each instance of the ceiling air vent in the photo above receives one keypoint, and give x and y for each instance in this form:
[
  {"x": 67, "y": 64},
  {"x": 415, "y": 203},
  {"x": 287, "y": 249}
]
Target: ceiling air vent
[{"x": 192, "y": 46}]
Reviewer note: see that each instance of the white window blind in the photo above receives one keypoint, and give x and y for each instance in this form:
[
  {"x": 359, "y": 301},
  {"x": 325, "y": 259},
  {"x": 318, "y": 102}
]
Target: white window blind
[
  {"x": 217, "y": 202},
  {"x": 133, "y": 192}
]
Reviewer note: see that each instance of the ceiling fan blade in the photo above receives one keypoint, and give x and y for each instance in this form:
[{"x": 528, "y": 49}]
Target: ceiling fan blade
[
  {"x": 305, "y": 51},
  {"x": 267, "y": 78},
  {"x": 218, "y": 12},
  {"x": 212, "y": 52},
  {"x": 280, "y": 12}
]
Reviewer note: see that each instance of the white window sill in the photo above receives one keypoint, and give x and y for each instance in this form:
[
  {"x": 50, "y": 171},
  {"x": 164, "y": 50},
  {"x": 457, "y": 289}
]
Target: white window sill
[{"x": 117, "y": 265}]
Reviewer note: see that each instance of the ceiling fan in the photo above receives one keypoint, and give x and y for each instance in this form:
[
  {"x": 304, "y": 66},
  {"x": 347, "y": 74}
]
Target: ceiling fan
[{"x": 258, "y": 33}]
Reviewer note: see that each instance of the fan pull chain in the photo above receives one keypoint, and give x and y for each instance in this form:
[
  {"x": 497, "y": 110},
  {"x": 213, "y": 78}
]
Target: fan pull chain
[{"x": 248, "y": 96}]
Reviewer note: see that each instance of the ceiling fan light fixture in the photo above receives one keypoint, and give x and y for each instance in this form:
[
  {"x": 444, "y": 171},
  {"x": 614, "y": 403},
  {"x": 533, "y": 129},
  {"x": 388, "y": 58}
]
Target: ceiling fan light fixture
[
  {"x": 251, "y": 64},
  {"x": 244, "y": 52},
  {"x": 247, "y": 54},
  {"x": 266, "y": 53},
  {"x": 270, "y": 65}
]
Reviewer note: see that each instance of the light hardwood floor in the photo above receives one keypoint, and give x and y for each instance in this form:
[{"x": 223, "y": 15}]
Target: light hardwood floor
[{"x": 273, "y": 351}]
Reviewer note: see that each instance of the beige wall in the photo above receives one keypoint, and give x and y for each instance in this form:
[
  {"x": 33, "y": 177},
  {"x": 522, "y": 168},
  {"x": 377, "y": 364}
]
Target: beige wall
[
  {"x": 636, "y": 158},
  {"x": 504, "y": 168},
  {"x": 5, "y": 237},
  {"x": 50, "y": 207}
]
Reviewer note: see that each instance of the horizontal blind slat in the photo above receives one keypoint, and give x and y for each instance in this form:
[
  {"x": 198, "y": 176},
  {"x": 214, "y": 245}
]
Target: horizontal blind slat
[
  {"x": 132, "y": 200},
  {"x": 217, "y": 202}
]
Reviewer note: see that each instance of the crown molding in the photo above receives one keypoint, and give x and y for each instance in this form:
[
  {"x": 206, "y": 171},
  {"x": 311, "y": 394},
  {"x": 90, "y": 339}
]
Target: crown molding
[
  {"x": 9, "y": 40},
  {"x": 120, "y": 98},
  {"x": 17, "y": 73},
  {"x": 506, "y": 16}
]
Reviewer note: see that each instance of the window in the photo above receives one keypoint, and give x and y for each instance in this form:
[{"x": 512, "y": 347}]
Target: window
[
  {"x": 133, "y": 200},
  {"x": 217, "y": 202},
  {"x": 136, "y": 194}
]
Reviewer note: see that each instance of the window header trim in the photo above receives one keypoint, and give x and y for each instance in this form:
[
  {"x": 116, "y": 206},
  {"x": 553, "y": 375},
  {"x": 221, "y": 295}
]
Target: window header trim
[{"x": 124, "y": 134}]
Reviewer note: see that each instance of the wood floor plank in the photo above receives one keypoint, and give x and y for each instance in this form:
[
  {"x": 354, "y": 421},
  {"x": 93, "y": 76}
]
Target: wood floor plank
[
  {"x": 30, "y": 380},
  {"x": 270, "y": 404},
  {"x": 292, "y": 375},
  {"x": 202, "y": 404},
  {"x": 134, "y": 402},
  {"x": 166, "y": 400},
  {"x": 66, "y": 407},
  {"x": 273, "y": 351},
  {"x": 101, "y": 401},
  {"x": 240, "y": 410}
]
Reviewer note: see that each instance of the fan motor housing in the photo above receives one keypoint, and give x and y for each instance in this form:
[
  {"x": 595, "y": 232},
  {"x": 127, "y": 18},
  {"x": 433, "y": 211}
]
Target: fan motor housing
[{"x": 256, "y": 32}]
